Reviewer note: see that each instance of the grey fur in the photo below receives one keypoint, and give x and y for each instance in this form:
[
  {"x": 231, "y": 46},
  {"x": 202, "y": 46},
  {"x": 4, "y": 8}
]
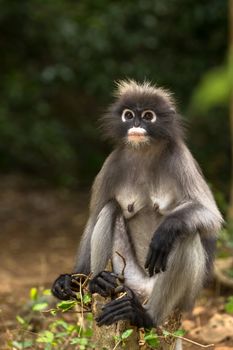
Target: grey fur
[{"x": 151, "y": 184}]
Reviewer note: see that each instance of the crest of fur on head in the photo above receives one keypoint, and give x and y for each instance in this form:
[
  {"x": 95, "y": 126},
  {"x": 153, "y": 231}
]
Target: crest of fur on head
[
  {"x": 130, "y": 86},
  {"x": 131, "y": 93}
]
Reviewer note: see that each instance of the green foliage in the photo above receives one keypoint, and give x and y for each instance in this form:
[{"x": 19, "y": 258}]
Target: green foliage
[
  {"x": 57, "y": 333},
  {"x": 229, "y": 305},
  {"x": 214, "y": 88},
  {"x": 58, "y": 63},
  {"x": 152, "y": 339}
]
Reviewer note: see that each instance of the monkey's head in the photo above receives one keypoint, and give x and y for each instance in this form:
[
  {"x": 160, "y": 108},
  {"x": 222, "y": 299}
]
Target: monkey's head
[{"x": 141, "y": 114}]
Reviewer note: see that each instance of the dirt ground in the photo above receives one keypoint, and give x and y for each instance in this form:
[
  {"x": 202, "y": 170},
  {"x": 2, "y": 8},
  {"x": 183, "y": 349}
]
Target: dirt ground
[{"x": 40, "y": 231}]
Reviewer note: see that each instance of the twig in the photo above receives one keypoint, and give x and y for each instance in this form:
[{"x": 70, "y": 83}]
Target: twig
[
  {"x": 188, "y": 340},
  {"x": 193, "y": 342},
  {"x": 70, "y": 311},
  {"x": 124, "y": 262},
  {"x": 118, "y": 343}
]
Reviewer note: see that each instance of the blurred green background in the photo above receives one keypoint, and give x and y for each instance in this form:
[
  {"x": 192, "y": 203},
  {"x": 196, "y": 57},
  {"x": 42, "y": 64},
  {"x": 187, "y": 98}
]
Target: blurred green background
[{"x": 58, "y": 63}]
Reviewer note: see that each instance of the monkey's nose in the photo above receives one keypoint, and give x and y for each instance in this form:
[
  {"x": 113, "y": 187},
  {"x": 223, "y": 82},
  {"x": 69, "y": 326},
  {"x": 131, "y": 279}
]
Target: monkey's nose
[{"x": 137, "y": 122}]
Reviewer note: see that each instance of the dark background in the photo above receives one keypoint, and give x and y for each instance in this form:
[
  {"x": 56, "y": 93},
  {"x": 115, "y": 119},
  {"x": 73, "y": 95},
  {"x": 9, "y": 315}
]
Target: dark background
[{"x": 58, "y": 63}]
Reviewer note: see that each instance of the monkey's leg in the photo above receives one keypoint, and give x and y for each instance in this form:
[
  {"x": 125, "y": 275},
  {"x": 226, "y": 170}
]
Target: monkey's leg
[{"x": 180, "y": 284}]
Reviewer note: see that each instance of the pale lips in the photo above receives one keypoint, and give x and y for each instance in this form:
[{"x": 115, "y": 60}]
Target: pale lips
[{"x": 136, "y": 133}]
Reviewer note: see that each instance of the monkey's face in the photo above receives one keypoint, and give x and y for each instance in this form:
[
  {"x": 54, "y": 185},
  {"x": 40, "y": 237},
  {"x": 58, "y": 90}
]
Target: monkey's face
[{"x": 141, "y": 118}]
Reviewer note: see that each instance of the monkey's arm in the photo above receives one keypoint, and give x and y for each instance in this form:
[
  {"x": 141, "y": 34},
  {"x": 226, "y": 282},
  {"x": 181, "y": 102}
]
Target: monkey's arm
[
  {"x": 187, "y": 219},
  {"x": 98, "y": 232}
]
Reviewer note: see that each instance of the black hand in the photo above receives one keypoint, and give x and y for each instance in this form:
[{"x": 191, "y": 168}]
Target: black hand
[
  {"x": 62, "y": 287},
  {"x": 125, "y": 308},
  {"x": 159, "y": 250},
  {"x": 104, "y": 284}
]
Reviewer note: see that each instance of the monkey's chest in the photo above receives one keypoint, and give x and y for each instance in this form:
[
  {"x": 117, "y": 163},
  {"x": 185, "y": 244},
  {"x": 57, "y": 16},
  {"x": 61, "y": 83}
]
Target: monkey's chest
[
  {"x": 144, "y": 210},
  {"x": 133, "y": 200}
]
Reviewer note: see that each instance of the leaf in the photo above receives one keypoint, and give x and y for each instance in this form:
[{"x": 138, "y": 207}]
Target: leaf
[
  {"x": 47, "y": 292},
  {"x": 126, "y": 333},
  {"x": 21, "y": 320},
  {"x": 33, "y": 294},
  {"x": 53, "y": 312},
  {"x": 53, "y": 326},
  {"x": 22, "y": 345},
  {"x": 179, "y": 332},
  {"x": 166, "y": 333},
  {"x": 80, "y": 341},
  {"x": 152, "y": 339},
  {"x": 45, "y": 337},
  {"x": 87, "y": 298},
  {"x": 66, "y": 305},
  {"x": 39, "y": 306}
]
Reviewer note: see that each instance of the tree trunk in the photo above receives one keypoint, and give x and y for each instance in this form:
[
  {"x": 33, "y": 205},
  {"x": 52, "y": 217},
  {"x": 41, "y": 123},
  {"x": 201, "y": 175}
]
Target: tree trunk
[{"x": 107, "y": 337}]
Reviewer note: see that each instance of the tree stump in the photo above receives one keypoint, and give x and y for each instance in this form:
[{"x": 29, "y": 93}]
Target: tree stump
[{"x": 104, "y": 337}]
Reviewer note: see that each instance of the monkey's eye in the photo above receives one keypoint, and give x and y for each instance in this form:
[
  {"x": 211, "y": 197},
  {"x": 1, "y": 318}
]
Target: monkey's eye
[
  {"x": 127, "y": 115},
  {"x": 149, "y": 116}
]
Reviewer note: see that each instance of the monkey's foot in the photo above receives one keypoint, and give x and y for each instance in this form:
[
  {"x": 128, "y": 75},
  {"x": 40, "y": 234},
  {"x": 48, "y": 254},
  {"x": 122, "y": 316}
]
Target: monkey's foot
[
  {"x": 63, "y": 287},
  {"x": 127, "y": 308},
  {"x": 104, "y": 284}
]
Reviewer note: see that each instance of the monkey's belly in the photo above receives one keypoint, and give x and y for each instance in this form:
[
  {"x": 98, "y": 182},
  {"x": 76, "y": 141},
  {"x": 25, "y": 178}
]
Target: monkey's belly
[
  {"x": 132, "y": 246},
  {"x": 141, "y": 229}
]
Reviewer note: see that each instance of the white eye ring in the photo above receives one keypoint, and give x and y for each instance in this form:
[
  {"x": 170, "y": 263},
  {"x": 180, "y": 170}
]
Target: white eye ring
[
  {"x": 124, "y": 115},
  {"x": 152, "y": 114}
]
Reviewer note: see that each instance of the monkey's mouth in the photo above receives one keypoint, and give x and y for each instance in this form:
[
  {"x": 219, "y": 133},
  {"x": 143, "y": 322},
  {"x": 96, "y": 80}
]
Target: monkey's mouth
[{"x": 137, "y": 134}]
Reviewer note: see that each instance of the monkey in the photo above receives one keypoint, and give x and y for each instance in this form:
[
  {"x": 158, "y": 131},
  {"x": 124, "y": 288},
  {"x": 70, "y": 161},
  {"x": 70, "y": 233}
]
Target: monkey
[{"x": 150, "y": 203}]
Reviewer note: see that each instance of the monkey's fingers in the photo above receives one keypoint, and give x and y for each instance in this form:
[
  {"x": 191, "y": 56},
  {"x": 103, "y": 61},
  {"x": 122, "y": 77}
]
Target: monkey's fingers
[
  {"x": 148, "y": 259},
  {"x": 119, "y": 309},
  {"x": 104, "y": 284},
  {"x": 61, "y": 288}
]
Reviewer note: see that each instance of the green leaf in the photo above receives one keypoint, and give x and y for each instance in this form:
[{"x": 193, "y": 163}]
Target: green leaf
[
  {"x": 80, "y": 341},
  {"x": 33, "y": 294},
  {"x": 21, "y": 320},
  {"x": 179, "y": 332},
  {"x": 39, "y": 306},
  {"x": 126, "y": 333},
  {"x": 88, "y": 332},
  {"x": 66, "y": 305},
  {"x": 22, "y": 345},
  {"x": 229, "y": 305},
  {"x": 47, "y": 292},
  {"x": 152, "y": 339},
  {"x": 87, "y": 298},
  {"x": 117, "y": 337},
  {"x": 53, "y": 312},
  {"x": 166, "y": 333},
  {"x": 45, "y": 337}
]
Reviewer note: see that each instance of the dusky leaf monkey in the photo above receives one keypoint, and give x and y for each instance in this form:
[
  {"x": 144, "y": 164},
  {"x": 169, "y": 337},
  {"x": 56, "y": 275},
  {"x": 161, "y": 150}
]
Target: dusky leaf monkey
[{"x": 151, "y": 204}]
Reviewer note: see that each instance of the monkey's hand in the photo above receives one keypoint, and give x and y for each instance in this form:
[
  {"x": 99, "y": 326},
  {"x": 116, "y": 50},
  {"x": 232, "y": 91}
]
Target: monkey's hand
[
  {"x": 63, "y": 288},
  {"x": 104, "y": 284},
  {"x": 127, "y": 308},
  {"x": 159, "y": 250}
]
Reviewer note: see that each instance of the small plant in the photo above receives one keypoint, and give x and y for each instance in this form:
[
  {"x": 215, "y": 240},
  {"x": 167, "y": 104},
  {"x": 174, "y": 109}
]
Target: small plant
[
  {"x": 120, "y": 339},
  {"x": 56, "y": 333}
]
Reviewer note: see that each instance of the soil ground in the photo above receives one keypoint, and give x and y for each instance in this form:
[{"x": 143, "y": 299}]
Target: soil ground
[{"x": 40, "y": 232}]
